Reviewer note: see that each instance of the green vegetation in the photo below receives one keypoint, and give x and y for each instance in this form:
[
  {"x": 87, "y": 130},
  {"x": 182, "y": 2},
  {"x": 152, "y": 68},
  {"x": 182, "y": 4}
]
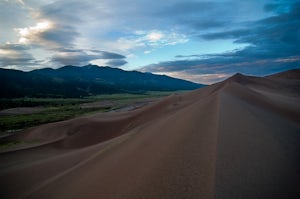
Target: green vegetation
[
  {"x": 62, "y": 109},
  {"x": 124, "y": 99},
  {"x": 15, "y": 122},
  {"x": 47, "y": 102}
]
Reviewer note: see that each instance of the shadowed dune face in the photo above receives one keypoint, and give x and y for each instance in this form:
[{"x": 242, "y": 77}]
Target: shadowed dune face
[
  {"x": 235, "y": 139},
  {"x": 258, "y": 141},
  {"x": 287, "y": 75}
]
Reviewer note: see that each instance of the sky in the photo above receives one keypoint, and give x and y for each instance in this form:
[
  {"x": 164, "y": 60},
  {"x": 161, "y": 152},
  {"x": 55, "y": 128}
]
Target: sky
[{"x": 201, "y": 41}]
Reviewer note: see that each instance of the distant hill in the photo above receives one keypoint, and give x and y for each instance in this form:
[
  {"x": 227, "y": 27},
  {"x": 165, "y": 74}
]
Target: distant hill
[{"x": 74, "y": 81}]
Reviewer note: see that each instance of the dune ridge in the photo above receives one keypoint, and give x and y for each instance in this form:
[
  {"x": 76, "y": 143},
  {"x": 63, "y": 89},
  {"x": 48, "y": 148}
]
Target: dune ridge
[{"x": 235, "y": 139}]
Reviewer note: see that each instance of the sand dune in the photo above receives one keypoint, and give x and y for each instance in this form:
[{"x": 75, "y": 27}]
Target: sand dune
[{"x": 236, "y": 139}]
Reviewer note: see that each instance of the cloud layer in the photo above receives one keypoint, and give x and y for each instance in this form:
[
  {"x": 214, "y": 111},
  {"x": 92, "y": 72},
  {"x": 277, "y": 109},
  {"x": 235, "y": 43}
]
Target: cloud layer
[
  {"x": 203, "y": 41},
  {"x": 273, "y": 46}
]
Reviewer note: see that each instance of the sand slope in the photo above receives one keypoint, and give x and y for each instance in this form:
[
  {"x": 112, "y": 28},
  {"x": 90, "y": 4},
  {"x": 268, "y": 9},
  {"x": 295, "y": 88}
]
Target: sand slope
[{"x": 236, "y": 139}]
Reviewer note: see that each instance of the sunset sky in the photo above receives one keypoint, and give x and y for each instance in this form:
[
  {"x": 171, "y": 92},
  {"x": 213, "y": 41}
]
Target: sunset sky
[{"x": 201, "y": 41}]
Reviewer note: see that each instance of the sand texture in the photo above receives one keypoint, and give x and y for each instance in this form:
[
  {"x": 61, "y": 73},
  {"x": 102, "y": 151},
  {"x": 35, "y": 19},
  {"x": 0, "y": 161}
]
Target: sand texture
[{"x": 237, "y": 139}]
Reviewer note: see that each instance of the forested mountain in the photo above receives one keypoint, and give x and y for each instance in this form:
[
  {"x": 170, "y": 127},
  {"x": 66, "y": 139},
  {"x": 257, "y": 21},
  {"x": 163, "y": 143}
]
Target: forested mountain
[{"x": 74, "y": 81}]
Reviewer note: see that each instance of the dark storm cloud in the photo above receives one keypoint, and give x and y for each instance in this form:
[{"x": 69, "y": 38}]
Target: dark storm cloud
[
  {"x": 80, "y": 59},
  {"x": 233, "y": 34},
  {"x": 273, "y": 46},
  {"x": 200, "y": 16},
  {"x": 14, "y": 47},
  {"x": 61, "y": 35},
  {"x": 21, "y": 59},
  {"x": 226, "y": 65},
  {"x": 67, "y": 50},
  {"x": 83, "y": 57},
  {"x": 190, "y": 56},
  {"x": 116, "y": 62},
  {"x": 109, "y": 55},
  {"x": 270, "y": 38}
]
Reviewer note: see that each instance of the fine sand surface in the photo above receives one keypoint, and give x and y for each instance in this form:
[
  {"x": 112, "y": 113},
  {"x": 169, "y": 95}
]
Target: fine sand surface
[{"x": 236, "y": 139}]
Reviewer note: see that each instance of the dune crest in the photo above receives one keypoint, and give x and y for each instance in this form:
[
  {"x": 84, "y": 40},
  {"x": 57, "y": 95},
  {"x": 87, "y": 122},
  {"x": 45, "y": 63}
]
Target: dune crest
[{"x": 235, "y": 139}]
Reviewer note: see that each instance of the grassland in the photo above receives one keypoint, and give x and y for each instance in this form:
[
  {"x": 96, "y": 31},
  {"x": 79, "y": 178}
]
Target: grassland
[{"x": 61, "y": 109}]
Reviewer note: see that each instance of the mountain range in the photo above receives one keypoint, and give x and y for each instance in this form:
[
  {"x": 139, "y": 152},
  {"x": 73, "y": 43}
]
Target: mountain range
[{"x": 74, "y": 81}]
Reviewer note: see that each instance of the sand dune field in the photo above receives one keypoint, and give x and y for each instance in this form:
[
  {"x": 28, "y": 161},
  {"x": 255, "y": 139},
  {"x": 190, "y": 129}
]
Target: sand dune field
[{"x": 236, "y": 139}]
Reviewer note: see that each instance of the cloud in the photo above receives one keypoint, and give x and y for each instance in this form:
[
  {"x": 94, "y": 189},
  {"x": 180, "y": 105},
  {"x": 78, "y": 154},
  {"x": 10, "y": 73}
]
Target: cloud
[
  {"x": 202, "y": 16},
  {"x": 232, "y": 34},
  {"x": 185, "y": 8},
  {"x": 198, "y": 78},
  {"x": 52, "y": 33},
  {"x": 83, "y": 57},
  {"x": 273, "y": 46},
  {"x": 116, "y": 62},
  {"x": 210, "y": 70},
  {"x": 202, "y": 13},
  {"x": 269, "y": 38},
  {"x": 108, "y": 55},
  {"x": 55, "y": 24},
  {"x": 48, "y": 35},
  {"x": 16, "y": 56},
  {"x": 67, "y": 11},
  {"x": 12, "y": 15},
  {"x": 31, "y": 34},
  {"x": 151, "y": 40},
  {"x": 155, "y": 36},
  {"x": 61, "y": 36},
  {"x": 82, "y": 32},
  {"x": 279, "y": 7}
]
